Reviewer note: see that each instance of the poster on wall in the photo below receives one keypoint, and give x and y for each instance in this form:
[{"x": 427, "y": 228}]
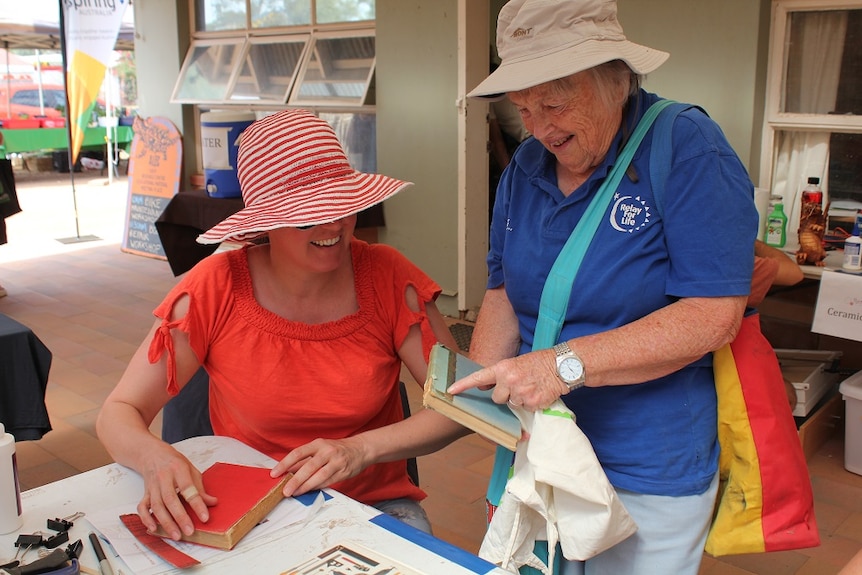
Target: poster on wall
[{"x": 154, "y": 178}]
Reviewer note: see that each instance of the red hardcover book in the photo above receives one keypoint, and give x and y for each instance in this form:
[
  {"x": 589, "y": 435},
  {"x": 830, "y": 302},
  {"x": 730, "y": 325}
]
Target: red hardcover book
[{"x": 245, "y": 496}]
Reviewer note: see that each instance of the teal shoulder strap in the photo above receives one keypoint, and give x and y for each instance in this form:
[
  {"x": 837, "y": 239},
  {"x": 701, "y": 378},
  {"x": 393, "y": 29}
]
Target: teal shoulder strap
[{"x": 558, "y": 286}]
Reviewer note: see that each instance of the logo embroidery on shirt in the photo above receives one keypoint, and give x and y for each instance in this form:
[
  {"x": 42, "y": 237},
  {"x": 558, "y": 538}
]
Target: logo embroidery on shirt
[{"x": 629, "y": 213}]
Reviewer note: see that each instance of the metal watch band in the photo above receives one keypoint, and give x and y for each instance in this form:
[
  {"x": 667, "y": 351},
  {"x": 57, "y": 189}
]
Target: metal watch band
[{"x": 562, "y": 349}]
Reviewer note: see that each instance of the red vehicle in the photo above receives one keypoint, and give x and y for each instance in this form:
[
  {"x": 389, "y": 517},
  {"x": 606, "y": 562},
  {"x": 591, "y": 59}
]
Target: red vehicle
[{"x": 24, "y": 101}]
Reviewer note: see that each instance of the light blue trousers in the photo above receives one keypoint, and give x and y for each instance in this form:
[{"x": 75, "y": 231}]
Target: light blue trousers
[{"x": 669, "y": 540}]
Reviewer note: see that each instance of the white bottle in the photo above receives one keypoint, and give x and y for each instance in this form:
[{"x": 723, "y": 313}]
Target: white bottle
[
  {"x": 11, "y": 517},
  {"x": 853, "y": 247}
]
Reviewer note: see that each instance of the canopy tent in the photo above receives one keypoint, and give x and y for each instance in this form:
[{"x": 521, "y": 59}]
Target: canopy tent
[
  {"x": 39, "y": 25},
  {"x": 35, "y": 24},
  {"x": 46, "y": 35},
  {"x": 14, "y": 67}
]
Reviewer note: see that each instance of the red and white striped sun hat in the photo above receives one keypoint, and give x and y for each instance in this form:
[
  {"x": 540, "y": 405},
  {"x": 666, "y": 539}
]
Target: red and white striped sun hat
[{"x": 293, "y": 172}]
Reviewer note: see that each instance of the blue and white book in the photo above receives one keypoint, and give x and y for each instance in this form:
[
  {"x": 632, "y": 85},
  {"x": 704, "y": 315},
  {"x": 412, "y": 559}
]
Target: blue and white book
[{"x": 472, "y": 408}]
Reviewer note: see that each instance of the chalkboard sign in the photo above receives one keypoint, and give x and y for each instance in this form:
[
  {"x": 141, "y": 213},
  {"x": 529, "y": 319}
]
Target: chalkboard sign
[{"x": 154, "y": 178}]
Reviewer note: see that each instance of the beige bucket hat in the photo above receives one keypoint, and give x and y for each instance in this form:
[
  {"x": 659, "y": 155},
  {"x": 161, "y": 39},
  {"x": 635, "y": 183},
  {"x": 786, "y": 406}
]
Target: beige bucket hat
[{"x": 543, "y": 40}]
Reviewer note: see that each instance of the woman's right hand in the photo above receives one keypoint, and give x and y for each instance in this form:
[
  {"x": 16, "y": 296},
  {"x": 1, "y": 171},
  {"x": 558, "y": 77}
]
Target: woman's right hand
[{"x": 169, "y": 477}]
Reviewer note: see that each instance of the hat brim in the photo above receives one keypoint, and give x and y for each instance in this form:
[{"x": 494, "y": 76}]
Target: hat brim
[
  {"x": 321, "y": 203},
  {"x": 521, "y": 73}
]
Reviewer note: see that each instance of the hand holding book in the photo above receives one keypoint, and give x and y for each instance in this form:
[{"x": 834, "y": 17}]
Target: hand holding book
[
  {"x": 245, "y": 496},
  {"x": 473, "y": 408}
]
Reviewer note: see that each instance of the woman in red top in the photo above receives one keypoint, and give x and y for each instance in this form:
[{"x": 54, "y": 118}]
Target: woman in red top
[{"x": 303, "y": 338}]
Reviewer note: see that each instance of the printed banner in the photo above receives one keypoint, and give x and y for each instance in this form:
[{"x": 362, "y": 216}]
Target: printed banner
[{"x": 91, "y": 28}]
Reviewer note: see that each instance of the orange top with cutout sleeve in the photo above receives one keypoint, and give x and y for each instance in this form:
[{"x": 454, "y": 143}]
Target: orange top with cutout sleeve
[{"x": 277, "y": 384}]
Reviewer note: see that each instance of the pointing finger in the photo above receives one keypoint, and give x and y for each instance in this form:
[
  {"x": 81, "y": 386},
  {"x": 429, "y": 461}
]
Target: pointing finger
[{"x": 483, "y": 378}]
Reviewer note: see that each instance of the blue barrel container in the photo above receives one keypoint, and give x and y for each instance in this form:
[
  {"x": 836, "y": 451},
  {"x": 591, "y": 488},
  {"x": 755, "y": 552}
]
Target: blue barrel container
[{"x": 220, "y": 133}]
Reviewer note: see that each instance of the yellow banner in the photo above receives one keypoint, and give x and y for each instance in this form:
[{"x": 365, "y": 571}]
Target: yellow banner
[{"x": 91, "y": 28}]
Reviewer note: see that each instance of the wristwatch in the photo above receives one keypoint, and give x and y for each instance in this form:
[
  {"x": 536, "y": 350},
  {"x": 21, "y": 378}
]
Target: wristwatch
[{"x": 570, "y": 368}]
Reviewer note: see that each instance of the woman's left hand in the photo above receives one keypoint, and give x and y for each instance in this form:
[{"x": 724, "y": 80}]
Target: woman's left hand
[
  {"x": 321, "y": 463},
  {"x": 529, "y": 381}
]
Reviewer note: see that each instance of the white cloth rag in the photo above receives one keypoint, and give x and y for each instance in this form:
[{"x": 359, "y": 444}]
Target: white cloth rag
[{"x": 558, "y": 492}]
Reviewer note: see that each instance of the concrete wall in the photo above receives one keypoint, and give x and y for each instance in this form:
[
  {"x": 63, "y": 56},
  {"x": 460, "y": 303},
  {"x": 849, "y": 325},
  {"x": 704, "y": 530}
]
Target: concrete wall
[
  {"x": 717, "y": 60},
  {"x": 161, "y": 42},
  {"x": 417, "y": 131}
]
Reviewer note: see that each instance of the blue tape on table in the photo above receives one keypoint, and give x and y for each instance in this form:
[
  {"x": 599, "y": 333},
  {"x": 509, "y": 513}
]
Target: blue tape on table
[
  {"x": 309, "y": 498},
  {"x": 442, "y": 548}
]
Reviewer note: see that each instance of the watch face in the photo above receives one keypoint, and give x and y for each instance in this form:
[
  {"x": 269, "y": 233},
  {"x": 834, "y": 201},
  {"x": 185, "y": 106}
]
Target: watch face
[{"x": 571, "y": 369}]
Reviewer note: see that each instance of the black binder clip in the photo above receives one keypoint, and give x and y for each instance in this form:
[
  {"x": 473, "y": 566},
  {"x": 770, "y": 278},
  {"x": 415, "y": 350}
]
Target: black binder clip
[
  {"x": 31, "y": 540},
  {"x": 74, "y": 549},
  {"x": 59, "y": 525},
  {"x": 63, "y": 524},
  {"x": 56, "y": 540},
  {"x": 25, "y": 543}
]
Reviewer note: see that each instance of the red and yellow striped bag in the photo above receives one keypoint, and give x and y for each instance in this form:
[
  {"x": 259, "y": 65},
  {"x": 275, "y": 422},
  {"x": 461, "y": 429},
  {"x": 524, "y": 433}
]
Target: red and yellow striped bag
[{"x": 765, "y": 501}]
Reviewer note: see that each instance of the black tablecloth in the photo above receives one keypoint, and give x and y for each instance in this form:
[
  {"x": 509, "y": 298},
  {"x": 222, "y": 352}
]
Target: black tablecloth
[
  {"x": 8, "y": 197},
  {"x": 188, "y": 215},
  {"x": 192, "y": 212},
  {"x": 24, "y": 366}
]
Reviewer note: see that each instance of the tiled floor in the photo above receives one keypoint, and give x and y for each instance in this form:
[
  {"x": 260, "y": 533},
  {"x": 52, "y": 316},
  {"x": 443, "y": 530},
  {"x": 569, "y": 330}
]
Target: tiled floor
[{"x": 90, "y": 303}]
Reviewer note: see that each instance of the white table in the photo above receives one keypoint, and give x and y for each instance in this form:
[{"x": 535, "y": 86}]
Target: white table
[
  {"x": 834, "y": 260},
  {"x": 339, "y": 520}
]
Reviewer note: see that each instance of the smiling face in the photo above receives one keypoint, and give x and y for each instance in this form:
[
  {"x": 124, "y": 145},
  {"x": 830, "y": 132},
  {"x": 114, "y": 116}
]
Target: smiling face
[
  {"x": 575, "y": 118},
  {"x": 321, "y": 248}
]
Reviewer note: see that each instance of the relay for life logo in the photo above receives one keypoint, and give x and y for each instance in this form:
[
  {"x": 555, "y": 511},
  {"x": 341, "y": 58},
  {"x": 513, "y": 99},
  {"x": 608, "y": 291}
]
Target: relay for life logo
[{"x": 629, "y": 213}]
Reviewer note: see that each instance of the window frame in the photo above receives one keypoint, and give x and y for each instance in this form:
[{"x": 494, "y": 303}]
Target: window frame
[
  {"x": 774, "y": 119},
  {"x": 248, "y": 36},
  {"x": 295, "y": 98}
]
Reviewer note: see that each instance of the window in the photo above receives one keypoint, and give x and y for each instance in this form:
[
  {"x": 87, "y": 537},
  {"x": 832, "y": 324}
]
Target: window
[
  {"x": 266, "y": 55},
  {"x": 813, "y": 119},
  {"x": 257, "y": 70},
  {"x": 337, "y": 70},
  {"x": 302, "y": 52},
  {"x": 221, "y": 15}
]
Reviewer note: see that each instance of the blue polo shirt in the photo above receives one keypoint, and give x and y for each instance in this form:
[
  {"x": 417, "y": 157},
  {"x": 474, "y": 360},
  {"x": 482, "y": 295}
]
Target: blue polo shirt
[{"x": 658, "y": 437}]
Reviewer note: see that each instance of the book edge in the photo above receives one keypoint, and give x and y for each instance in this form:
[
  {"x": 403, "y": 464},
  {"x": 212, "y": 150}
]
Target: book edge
[{"x": 477, "y": 424}]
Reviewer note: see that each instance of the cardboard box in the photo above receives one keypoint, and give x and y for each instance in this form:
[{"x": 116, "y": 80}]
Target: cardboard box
[
  {"x": 807, "y": 371},
  {"x": 851, "y": 390},
  {"x": 823, "y": 424}
]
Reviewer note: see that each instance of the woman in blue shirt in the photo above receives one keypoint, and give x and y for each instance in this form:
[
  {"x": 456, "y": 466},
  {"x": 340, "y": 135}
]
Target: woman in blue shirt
[{"x": 661, "y": 286}]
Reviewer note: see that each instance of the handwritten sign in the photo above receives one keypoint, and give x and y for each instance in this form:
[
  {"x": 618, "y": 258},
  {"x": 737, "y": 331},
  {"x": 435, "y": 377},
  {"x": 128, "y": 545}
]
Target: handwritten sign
[{"x": 154, "y": 178}]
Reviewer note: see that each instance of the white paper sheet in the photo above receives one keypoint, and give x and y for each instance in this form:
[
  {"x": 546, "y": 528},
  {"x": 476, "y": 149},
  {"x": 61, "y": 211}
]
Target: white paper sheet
[{"x": 289, "y": 513}]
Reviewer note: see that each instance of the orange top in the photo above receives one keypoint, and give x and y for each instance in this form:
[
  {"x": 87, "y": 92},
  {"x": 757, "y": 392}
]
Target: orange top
[
  {"x": 277, "y": 384},
  {"x": 765, "y": 270}
]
